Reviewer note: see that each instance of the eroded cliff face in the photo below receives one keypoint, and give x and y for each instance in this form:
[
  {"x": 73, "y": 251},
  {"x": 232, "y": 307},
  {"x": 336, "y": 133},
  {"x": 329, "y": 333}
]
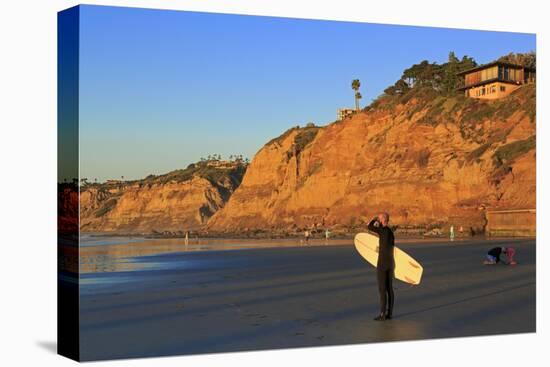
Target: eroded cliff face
[
  {"x": 425, "y": 159},
  {"x": 180, "y": 201}
]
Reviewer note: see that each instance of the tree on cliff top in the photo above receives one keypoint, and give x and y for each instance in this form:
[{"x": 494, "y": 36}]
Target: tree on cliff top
[
  {"x": 355, "y": 85},
  {"x": 528, "y": 59},
  {"x": 440, "y": 78},
  {"x": 358, "y": 96}
]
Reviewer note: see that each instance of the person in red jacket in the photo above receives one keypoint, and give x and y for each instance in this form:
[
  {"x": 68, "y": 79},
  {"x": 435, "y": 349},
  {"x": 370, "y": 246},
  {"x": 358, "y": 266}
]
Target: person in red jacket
[{"x": 493, "y": 256}]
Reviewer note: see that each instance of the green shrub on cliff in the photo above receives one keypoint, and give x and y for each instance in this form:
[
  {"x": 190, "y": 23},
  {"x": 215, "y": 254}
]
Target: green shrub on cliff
[
  {"x": 478, "y": 152},
  {"x": 422, "y": 157},
  {"x": 304, "y": 136},
  {"x": 281, "y": 137},
  {"x": 478, "y": 112},
  {"x": 506, "y": 154},
  {"x": 217, "y": 175},
  {"x": 109, "y": 204}
]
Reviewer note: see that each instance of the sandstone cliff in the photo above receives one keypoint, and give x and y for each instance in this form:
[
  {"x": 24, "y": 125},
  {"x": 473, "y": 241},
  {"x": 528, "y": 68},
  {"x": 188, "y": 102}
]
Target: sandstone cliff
[
  {"x": 428, "y": 160},
  {"x": 181, "y": 200}
]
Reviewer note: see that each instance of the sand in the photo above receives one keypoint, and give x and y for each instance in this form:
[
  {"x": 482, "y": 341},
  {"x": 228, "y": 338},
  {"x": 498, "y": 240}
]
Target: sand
[{"x": 222, "y": 301}]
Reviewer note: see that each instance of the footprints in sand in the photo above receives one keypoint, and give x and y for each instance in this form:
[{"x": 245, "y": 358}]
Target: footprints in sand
[
  {"x": 320, "y": 337},
  {"x": 310, "y": 325},
  {"x": 308, "y": 328},
  {"x": 310, "y": 322},
  {"x": 256, "y": 318}
]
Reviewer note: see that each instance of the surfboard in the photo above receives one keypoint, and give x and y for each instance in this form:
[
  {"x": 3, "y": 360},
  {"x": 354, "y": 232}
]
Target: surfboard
[{"x": 407, "y": 269}]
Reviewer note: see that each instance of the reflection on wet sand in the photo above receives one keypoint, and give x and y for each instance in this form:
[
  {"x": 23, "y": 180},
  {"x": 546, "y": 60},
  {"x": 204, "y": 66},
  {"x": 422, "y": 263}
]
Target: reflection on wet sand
[
  {"x": 120, "y": 254},
  {"x": 101, "y": 254},
  {"x": 398, "y": 329}
]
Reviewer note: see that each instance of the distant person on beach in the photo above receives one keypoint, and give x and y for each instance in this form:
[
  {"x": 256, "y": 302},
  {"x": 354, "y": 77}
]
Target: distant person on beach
[
  {"x": 307, "y": 235},
  {"x": 493, "y": 256},
  {"x": 327, "y": 234},
  {"x": 385, "y": 265},
  {"x": 452, "y": 233}
]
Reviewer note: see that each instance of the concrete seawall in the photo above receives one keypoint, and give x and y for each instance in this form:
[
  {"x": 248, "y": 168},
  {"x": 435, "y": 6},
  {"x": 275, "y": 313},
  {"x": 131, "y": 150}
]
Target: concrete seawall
[{"x": 518, "y": 222}]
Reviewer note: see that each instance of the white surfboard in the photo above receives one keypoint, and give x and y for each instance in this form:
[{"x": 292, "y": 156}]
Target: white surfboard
[{"x": 407, "y": 269}]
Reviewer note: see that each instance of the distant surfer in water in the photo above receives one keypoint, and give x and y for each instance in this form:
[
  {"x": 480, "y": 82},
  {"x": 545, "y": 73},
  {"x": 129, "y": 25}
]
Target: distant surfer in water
[
  {"x": 493, "y": 256},
  {"x": 385, "y": 265}
]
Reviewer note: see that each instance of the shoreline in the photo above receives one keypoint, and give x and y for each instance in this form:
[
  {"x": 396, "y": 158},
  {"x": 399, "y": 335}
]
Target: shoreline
[{"x": 337, "y": 236}]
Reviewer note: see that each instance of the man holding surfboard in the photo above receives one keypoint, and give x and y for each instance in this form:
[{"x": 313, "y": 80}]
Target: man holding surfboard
[{"x": 386, "y": 264}]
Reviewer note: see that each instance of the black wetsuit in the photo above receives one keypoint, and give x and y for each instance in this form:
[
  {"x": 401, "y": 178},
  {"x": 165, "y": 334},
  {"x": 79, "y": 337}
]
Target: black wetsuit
[
  {"x": 385, "y": 266},
  {"x": 495, "y": 252}
]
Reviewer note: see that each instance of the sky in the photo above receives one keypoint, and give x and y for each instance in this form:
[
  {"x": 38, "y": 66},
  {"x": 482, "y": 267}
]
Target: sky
[{"x": 160, "y": 89}]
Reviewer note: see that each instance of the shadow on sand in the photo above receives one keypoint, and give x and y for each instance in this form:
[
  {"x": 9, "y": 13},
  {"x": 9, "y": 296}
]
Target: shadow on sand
[
  {"x": 464, "y": 300},
  {"x": 50, "y": 346}
]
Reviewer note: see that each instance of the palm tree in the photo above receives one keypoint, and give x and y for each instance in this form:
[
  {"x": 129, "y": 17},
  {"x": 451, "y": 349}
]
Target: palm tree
[
  {"x": 358, "y": 96},
  {"x": 355, "y": 85}
]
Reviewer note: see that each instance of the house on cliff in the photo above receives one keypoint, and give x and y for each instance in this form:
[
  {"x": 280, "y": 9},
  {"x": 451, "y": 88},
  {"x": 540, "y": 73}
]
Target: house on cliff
[
  {"x": 342, "y": 113},
  {"x": 494, "y": 80}
]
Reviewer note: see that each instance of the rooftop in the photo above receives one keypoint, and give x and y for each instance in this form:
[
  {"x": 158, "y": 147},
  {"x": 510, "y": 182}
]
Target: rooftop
[
  {"x": 494, "y": 63},
  {"x": 487, "y": 81}
]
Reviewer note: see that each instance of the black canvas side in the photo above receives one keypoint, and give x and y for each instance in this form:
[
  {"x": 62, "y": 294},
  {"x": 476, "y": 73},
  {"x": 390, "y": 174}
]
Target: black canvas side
[{"x": 67, "y": 183}]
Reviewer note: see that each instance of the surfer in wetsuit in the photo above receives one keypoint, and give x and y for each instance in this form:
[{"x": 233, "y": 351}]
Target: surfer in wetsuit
[{"x": 385, "y": 265}]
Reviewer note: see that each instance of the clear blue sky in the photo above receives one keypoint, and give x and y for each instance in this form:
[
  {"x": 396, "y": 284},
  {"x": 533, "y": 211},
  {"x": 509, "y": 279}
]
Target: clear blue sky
[{"x": 160, "y": 89}]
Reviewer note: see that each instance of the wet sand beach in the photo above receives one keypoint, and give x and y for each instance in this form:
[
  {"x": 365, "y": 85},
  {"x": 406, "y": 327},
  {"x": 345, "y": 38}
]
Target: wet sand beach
[{"x": 137, "y": 302}]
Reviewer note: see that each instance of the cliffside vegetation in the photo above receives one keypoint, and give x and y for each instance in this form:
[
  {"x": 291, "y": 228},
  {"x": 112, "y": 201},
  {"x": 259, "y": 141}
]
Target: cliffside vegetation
[
  {"x": 179, "y": 200},
  {"x": 214, "y": 170}
]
